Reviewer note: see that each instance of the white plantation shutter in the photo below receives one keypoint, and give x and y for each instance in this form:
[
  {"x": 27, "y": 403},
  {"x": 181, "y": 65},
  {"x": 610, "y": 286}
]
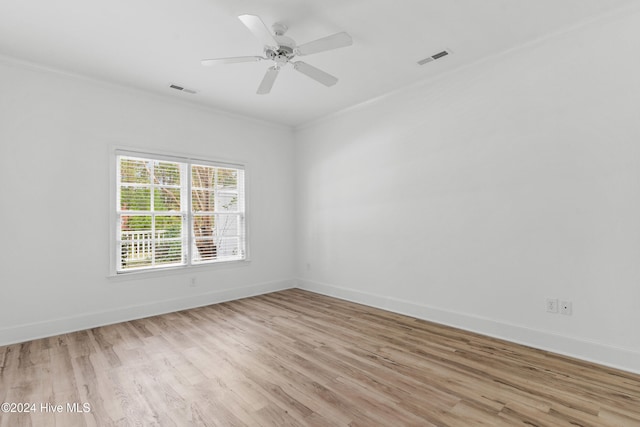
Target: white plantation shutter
[{"x": 173, "y": 211}]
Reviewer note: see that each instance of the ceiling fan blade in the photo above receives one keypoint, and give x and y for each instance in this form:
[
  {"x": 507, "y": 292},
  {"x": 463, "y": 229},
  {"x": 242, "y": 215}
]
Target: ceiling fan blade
[
  {"x": 267, "y": 81},
  {"x": 334, "y": 41},
  {"x": 234, "y": 60},
  {"x": 315, "y": 73},
  {"x": 257, "y": 27}
]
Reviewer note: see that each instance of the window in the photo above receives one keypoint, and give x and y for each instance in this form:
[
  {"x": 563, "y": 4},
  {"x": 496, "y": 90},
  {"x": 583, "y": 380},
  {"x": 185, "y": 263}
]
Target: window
[{"x": 172, "y": 212}]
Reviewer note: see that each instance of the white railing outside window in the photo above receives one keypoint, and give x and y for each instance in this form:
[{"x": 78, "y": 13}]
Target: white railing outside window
[{"x": 139, "y": 244}]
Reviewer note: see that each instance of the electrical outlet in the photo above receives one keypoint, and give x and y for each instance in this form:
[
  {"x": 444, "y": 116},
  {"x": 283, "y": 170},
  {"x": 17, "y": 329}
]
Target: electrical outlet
[
  {"x": 566, "y": 308},
  {"x": 193, "y": 282},
  {"x": 552, "y": 305}
]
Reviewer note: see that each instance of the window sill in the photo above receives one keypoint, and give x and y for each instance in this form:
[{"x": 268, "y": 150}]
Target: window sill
[{"x": 175, "y": 270}]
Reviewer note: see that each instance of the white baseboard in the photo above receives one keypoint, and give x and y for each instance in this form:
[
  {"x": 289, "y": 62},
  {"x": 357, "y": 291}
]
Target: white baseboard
[
  {"x": 620, "y": 358},
  {"x": 30, "y": 331},
  {"x": 615, "y": 357}
]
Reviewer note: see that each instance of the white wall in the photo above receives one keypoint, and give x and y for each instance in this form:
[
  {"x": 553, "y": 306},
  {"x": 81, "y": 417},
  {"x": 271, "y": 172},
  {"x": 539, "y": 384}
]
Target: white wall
[
  {"x": 56, "y": 138},
  {"x": 471, "y": 200}
]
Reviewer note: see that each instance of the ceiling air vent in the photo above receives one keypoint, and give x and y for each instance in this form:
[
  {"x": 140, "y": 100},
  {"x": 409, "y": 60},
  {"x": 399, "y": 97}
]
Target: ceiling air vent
[
  {"x": 434, "y": 57},
  {"x": 182, "y": 89}
]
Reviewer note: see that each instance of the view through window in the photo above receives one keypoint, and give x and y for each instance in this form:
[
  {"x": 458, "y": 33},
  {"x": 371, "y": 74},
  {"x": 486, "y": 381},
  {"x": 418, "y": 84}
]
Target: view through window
[{"x": 177, "y": 212}]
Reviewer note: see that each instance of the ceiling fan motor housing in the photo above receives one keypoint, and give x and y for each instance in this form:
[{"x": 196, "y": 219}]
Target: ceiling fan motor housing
[{"x": 285, "y": 51}]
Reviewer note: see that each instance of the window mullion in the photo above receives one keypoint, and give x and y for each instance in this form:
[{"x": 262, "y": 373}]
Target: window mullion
[
  {"x": 188, "y": 218},
  {"x": 215, "y": 237},
  {"x": 152, "y": 193}
]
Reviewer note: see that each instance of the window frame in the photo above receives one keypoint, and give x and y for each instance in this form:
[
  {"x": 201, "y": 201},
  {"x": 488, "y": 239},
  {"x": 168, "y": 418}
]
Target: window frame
[{"x": 187, "y": 162}]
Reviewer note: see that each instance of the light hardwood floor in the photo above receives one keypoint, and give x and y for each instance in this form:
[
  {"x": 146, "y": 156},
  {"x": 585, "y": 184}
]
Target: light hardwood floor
[{"x": 297, "y": 358}]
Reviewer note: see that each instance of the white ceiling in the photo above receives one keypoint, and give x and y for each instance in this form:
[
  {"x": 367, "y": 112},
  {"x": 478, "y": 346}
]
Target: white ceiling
[{"x": 151, "y": 43}]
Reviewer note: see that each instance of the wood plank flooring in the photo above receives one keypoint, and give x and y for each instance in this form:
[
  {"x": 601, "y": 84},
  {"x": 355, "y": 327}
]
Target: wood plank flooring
[{"x": 295, "y": 358}]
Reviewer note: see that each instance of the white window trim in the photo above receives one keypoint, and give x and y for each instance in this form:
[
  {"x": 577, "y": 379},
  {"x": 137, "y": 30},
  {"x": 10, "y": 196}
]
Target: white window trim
[{"x": 115, "y": 151}]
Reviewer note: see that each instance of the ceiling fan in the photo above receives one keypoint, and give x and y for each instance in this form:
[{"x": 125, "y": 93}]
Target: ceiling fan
[{"x": 281, "y": 50}]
